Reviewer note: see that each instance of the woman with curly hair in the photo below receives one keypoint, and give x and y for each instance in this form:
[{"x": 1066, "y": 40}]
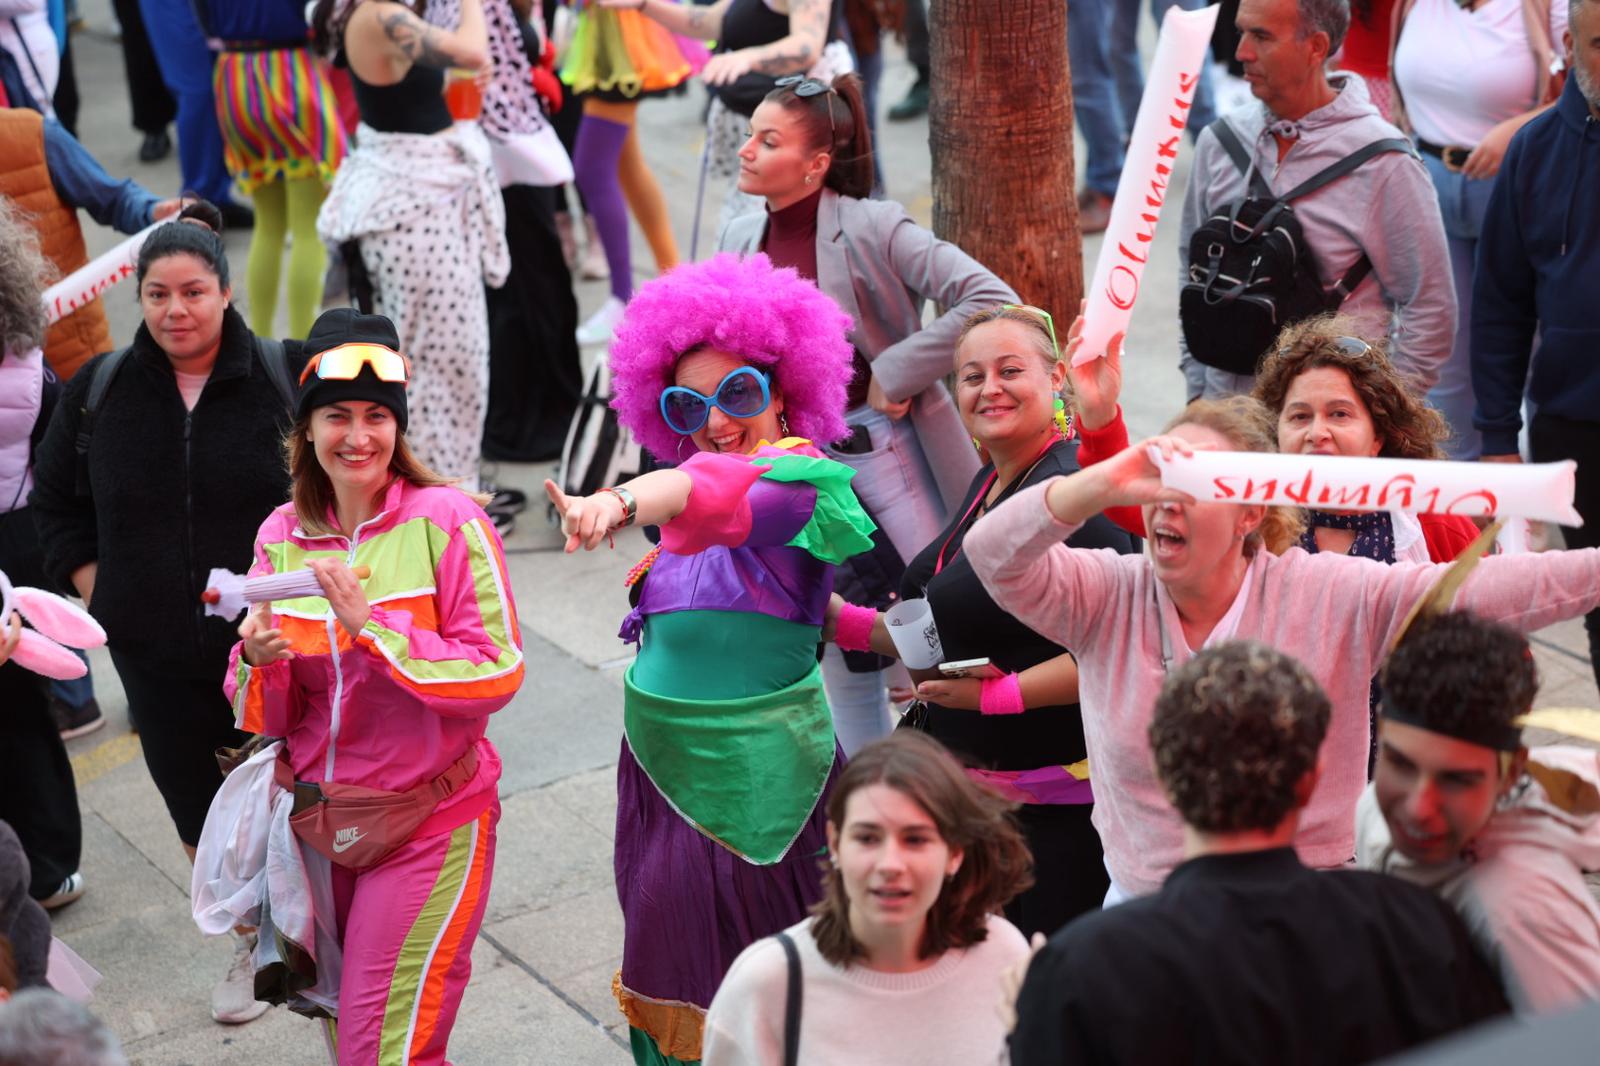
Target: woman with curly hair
[
  {"x": 1336, "y": 394},
  {"x": 737, "y": 370},
  {"x": 907, "y": 949}
]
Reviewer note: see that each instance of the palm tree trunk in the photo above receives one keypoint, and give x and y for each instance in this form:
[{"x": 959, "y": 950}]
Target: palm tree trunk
[{"x": 1000, "y": 131}]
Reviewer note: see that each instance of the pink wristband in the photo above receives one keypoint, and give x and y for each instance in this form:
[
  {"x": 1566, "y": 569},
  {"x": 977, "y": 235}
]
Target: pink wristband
[
  {"x": 853, "y": 632},
  {"x": 1001, "y": 695}
]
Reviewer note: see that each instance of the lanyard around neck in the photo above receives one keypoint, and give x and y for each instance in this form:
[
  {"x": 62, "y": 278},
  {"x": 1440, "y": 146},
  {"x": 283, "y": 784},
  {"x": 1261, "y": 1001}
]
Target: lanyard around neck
[{"x": 939, "y": 561}]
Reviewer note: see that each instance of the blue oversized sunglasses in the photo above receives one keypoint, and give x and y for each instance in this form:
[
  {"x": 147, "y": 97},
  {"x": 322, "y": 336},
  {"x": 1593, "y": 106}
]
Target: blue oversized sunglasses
[{"x": 742, "y": 394}]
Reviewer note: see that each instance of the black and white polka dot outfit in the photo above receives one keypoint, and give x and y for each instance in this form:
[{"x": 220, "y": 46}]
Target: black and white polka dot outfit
[{"x": 427, "y": 212}]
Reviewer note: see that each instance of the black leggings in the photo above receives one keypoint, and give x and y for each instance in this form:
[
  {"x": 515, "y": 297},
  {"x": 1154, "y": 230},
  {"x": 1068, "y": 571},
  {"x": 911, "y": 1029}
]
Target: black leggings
[
  {"x": 1069, "y": 867},
  {"x": 182, "y": 721}
]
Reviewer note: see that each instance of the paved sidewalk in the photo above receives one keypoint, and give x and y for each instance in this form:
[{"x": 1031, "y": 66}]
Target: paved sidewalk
[{"x": 552, "y": 937}]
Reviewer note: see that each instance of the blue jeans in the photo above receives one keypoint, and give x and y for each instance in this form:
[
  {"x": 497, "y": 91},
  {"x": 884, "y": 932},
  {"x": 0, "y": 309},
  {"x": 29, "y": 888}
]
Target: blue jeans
[
  {"x": 186, "y": 64},
  {"x": 895, "y": 483},
  {"x": 1124, "y": 53},
  {"x": 1094, "y": 93},
  {"x": 1462, "y": 203},
  {"x": 77, "y": 692}
]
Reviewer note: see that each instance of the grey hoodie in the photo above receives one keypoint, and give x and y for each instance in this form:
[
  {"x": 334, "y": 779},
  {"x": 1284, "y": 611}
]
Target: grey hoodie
[{"x": 1387, "y": 209}]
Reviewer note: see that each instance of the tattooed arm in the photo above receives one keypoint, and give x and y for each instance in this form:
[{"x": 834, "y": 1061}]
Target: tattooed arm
[
  {"x": 792, "y": 54},
  {"x": 703, "y": 22},
  {"x": 386, "y": 36}
]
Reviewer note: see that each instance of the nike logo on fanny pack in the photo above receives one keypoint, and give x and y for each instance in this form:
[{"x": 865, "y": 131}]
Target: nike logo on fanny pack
[{"x": 345, "y": 839}]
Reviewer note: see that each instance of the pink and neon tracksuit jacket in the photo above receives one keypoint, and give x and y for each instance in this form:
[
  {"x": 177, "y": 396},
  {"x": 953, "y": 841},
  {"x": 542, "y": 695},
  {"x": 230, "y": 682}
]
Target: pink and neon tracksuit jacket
[{"x": 407, "y": 698}]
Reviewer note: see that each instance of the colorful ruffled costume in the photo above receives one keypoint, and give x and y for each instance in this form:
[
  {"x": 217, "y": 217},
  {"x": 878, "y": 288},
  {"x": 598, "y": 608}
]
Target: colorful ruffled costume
[
  {"x": 729, "y": 748},
  {"x": 624, "y": 54}
]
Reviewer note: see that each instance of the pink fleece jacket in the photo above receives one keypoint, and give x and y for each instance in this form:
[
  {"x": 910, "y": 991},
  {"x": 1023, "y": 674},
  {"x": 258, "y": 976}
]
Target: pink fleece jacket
[
  {"x": 1335, "y": 613},
  {"x": 403, "y": 700}
]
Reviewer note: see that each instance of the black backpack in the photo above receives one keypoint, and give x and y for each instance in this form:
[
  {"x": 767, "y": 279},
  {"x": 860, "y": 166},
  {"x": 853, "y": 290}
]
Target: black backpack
[
  {"x": 1250, "y": 270},
  {"x": 273, "y": 360}
]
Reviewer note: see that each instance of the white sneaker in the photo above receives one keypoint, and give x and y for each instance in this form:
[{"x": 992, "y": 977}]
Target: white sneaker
[
  {"x": 70, "y": 890},
  {"x": 233, "y": 1000},
  {"x": 596, "y": 329}
]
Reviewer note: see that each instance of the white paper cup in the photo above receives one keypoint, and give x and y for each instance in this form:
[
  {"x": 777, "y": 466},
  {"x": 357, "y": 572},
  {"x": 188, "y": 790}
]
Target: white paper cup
[{"x": 915, "y": 636}]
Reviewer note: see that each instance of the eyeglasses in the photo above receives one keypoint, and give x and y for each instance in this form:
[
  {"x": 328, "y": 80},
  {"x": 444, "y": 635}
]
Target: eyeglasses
[
  {"x": 345, "y": 362},
  {"x": 1049, "y": 323},
  {"x": 742, "y": 394},
  {"x": 807, "y": 87}
]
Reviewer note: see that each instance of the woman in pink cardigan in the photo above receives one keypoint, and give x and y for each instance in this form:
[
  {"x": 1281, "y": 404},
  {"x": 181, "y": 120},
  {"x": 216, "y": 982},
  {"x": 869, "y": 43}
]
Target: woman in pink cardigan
[{"x": 1202, "y": 579}]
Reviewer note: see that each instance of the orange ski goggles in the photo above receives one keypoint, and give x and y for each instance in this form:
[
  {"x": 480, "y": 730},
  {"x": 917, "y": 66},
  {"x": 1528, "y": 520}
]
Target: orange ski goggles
[{"x": 344, "y": 363}]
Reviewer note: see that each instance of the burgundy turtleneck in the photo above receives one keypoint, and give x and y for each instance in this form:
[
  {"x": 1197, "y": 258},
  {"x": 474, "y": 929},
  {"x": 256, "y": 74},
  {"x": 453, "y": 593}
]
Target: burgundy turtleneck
[{"x": 791, "y": 241}]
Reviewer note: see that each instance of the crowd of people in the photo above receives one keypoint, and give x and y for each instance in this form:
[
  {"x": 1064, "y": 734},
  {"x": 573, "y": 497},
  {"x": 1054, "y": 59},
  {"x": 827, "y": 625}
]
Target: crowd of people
[{"x": 1185, "y": 781}]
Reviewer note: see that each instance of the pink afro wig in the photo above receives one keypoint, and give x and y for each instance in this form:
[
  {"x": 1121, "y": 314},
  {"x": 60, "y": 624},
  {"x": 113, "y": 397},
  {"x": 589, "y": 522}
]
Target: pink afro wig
[{"x": 771, "y": 317}]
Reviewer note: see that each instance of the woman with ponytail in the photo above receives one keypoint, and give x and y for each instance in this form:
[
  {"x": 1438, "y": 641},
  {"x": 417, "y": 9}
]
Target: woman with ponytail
[{"x": 810, "y": 156}]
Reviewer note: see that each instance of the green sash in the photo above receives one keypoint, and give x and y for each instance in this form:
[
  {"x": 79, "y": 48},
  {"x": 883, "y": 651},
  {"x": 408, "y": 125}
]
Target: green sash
[{"x": 745, "y": 772}]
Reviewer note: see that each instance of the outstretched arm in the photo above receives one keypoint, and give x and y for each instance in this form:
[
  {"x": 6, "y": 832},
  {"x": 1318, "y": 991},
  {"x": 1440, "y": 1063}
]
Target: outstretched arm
[{"x": 587, "y": 520}]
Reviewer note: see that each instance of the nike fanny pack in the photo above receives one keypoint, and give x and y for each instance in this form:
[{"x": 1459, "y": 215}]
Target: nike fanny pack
[{"x": 359, "y": 827}]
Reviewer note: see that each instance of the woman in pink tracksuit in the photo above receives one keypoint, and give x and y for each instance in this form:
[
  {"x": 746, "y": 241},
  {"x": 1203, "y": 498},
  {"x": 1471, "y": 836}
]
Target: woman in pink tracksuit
[{"x": 387, "y": 686}]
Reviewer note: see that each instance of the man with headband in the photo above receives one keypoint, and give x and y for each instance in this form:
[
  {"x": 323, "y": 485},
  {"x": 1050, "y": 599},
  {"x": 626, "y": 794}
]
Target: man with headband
[{"x": 1456, "y": 805}]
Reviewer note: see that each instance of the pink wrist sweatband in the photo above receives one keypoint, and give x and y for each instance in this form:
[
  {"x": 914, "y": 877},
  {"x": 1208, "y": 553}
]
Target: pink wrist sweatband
[
  {"x": 1001, "y": 695},
  {"x": 853, "y": 632}
]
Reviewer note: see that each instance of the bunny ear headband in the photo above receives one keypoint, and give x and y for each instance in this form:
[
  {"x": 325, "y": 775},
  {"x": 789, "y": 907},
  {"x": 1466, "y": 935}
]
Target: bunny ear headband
[{"x": 58, "y": 626}]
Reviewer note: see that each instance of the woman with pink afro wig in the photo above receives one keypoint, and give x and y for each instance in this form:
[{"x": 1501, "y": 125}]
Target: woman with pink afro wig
[
  {"x": 737, "y": 371},
  {"x": 771, "y": 317}
]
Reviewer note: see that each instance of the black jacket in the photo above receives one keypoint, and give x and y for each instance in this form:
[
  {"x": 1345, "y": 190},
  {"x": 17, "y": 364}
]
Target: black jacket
[
  {"x": 173, "y": 493},
  {"x": 1253, "y": 958}
]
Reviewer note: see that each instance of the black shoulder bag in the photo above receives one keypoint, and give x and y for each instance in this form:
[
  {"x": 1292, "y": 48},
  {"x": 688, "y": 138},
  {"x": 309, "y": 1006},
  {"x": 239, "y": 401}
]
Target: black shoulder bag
[
  {"x": 1250, "y": 270},
  {"x": 791, "y": 1003}
]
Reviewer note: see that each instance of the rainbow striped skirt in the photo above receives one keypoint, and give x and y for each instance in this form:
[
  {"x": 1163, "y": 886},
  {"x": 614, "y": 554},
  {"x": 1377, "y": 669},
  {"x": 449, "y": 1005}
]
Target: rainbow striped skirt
[{"x": 278, "y": 116}]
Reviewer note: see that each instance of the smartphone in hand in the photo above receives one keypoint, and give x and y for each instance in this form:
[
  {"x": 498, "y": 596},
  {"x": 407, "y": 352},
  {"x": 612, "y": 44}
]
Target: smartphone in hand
[{"x": 982, "y": 669}]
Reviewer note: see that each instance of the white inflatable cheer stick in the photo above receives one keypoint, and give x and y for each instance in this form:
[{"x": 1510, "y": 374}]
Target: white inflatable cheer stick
[{"x": 228, "y": 593}]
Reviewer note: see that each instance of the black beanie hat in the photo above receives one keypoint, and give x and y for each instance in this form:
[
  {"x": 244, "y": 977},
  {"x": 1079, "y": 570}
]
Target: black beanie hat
[{"x": 346, "y": 325}]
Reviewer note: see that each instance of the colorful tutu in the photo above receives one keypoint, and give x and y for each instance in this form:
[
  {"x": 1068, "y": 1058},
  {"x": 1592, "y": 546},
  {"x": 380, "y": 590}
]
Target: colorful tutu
[
  {"x": 627, "y": 54},
  {"x": 279, "y": 116}
]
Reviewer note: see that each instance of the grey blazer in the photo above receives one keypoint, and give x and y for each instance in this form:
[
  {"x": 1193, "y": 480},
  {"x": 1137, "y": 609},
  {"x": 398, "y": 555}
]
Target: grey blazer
[{"x": 880, "y": 267}]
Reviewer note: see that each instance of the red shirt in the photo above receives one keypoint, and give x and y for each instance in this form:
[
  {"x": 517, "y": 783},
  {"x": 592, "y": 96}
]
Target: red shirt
[{"x": 1366, "y": 46}]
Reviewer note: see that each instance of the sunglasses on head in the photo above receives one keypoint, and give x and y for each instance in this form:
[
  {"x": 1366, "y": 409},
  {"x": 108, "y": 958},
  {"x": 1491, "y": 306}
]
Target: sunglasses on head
[
  {"x": 345, "y": 362},
  {"x": 1354, "y": 347},
  {"x": 1049, "y": 323},
  {"x": 744, "y": 393},
  {"x": 805, "y": 87}
]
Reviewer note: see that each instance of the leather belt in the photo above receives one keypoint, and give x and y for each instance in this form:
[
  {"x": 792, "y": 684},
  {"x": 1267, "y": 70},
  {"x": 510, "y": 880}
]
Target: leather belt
[{"x": 1453, "y": 156}]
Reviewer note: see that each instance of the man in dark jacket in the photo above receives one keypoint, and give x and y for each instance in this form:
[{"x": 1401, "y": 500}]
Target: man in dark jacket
[
  {"x": 1245, "y": 955},
  {"x": 1538, "y": 261}
]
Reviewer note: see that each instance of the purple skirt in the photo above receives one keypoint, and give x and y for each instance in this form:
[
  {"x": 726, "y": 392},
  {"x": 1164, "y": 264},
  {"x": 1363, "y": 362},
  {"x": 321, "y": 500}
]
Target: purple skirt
[{"x": 689, "y": 906}]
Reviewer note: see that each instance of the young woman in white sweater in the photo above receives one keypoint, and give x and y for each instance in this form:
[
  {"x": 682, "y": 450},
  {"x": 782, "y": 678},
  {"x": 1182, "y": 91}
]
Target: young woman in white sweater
[{"x": 903, "y": 959}]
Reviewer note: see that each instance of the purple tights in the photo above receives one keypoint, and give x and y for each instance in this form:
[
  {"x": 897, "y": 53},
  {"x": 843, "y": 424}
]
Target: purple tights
[{"x": 594, "y": 163}]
